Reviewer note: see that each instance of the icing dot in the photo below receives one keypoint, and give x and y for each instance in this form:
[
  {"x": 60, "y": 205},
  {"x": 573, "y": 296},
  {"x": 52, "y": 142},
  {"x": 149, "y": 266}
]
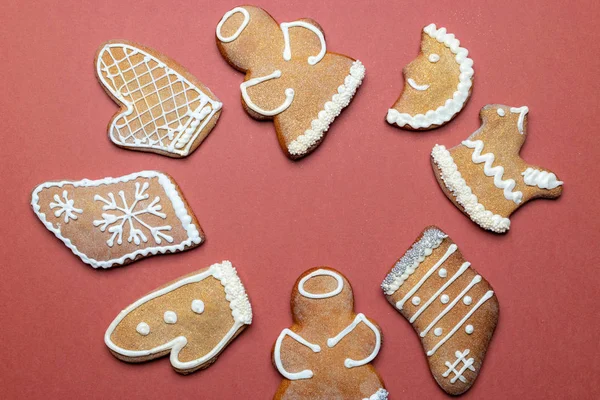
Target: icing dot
[
  {"x": 501, "y": 112},
  {"x": 467, "y": 300},
  {"x": 437, "y": 331},
  {"x": 434, "y": 58},
  {"x": 469, "y": 329},
  {"x": 143, "y": 329},
  {"x": 416, "y": 300},
  {"x": 170, "y": 317},
  {"x": 198, "y": 306},
  {"x": 445, "y": 298},
  {"x": 443, "y": 273}
]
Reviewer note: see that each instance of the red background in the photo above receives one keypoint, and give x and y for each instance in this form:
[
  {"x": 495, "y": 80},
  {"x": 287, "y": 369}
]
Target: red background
[{"x": 355, "y": 204}]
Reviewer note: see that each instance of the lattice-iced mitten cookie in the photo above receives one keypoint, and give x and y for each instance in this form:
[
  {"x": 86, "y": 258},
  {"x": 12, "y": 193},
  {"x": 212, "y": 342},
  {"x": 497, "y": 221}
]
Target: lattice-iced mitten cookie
[
  {"x": 437, "y": 83},
  {"x": 164, "y": 108},
  {"x": 290, "y": 76},
  {"x": 194, "y": 318},
  {"x": 451, "y": 307},
  {"x": 326, "y": 353},
  {"x": 485, "y": 177},
  {"x": 115, "y": 221}
]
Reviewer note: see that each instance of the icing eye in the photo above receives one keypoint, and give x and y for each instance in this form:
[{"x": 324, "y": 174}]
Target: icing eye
[
  {"x": 434, "y": 58},
  {"x": 170, "y": 317},
  {"x": 143, "y": 329},
  {"x": 198, "y": 306},
  {"x": 501, "y": 112}
]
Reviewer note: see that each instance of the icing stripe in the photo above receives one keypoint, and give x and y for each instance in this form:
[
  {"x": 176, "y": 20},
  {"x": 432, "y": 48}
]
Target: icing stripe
[
  {"x": 289, "y": 95},
  {"x": 541, "y": 179},
  {"x": 305, "y": 374},
  {"x": 522, "y": 113},
  {"x": 350, "y": 363}
]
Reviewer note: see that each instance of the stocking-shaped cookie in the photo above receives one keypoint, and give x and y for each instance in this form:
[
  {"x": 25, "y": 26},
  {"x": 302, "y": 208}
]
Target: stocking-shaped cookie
[
  {"x": 193, "y": 318},
  {"x": 164, "y": 108},
  {"x": 437, "y": 84},
  {"x": 290, "y": 76},
  {"x": 326, "y": 353},
  {"x": 485, "y": 177},
  {"x": 114, "y": 221},
  {"x": 451, "y": 307}
]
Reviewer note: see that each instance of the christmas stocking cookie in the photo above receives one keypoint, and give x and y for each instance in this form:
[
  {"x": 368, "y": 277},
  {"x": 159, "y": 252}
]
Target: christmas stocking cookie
[
  {"x": 193, "y": 319},
  {"x": 452, "y": 308},
  {"x": 326, "y": 353},
  {"x": 115, "y": 221},
  {"x": 164, "y": 108},
  {"x": 485, "y": 177},
  {"x": 437, "y": 84},
  {"x": 291, "y": 78}
]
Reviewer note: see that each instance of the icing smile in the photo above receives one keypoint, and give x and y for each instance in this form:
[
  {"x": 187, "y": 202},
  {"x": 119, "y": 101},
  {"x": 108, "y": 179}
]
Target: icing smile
[{"x": 416, "y": 86}]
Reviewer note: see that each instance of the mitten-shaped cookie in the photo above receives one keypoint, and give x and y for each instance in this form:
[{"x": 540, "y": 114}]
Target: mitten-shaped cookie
[
  {"x": 327, "y": 351},
  {"x": 115, "y": 221},
  {"x": 193, "y": 318},
  {"x": 164, "y": 108},
  {"x": 485, "y": 177},
  {"x": 437, "y": 84},
  {"x": 291, "y": 78},
  {"x": 451, "y": 307}
]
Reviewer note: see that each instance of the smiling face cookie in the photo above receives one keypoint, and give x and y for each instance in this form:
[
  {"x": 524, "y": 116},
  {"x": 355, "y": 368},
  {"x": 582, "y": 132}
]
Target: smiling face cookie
[{"x": 437, "y": 84}]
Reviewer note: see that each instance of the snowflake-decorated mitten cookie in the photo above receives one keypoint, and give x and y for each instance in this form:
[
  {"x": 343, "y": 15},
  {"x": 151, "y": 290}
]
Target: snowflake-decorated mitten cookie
[
  {"x": 115, "y": 221},
  {"x": 452, "y": 308},
  {"x": 164, "y": 108},
  {"x": 326, "y": 353},
  {"x": 291, "y": 78},
  {"x": 485, "y": 177},
  {"x": 437, "y": 84},
  {"x": 193, "y": 318}
]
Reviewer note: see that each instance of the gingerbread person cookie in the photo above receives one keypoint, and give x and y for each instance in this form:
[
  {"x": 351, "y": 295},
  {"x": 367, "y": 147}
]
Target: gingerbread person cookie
[
  {"x": 291, "y": 78},
  {"x": 437, "y": 83},
  {"x": 115, "y": 221},
  {"x": 453, "y": 309},
  {"x": 193, "y": 318},
  {"x": 485, "y": 177},
  {"x": 164, "y": 108},
  {"x": 326, "y": 353}
]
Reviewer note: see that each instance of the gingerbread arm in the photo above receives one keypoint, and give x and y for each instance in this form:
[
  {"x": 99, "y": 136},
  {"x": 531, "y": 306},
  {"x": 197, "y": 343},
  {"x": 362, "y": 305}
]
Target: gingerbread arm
[
  {"x": 312, "y": 27},
  {"x": 305, "y": 374},
  {"x": 350, "y": 363}
]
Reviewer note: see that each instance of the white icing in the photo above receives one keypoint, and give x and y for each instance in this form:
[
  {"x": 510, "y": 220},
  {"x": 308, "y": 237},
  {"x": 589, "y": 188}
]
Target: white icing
[
  {"x": 293, "y": 376},
  {"x": 451, "y": 249},
  {"x": 541, "y": 179},
  {"x": 330, "y": 111},
  {"x": 143, "y": 329},
  {"x": 452, "y": 106},
  {"x": 289, "y": 95},
  {"x": 455, "y": 183},
  {"x": 160, "y": 128},
  {"x": 434, "y": 58},
  {"x": 287, "y": 49},
  {"x": 234, "y": 293},
  {"x": 445, "y": 298},
  {"x": 522, "y": 111},
  {"x": 170, "y": 317},
  {"x": 501, "y": 112},
  {"x": 443, "y": 273},
  {"x": 321, "y": 272},
  {"x": 469, "y": 329},
  {"x": 468, "y": 300},
  {"x": 416, "y": 86},
  {"x": 416, "y": 300},
  {"x": 381, "y": 394},
  {"x": 197, "y": 306},
  {"x": 458, "y": 374},
  {"x": 193, "y": 235},
  {"x": 237, "y": 33},
  {"x": 65, "y": 207},
  {"x": 350, "y": 363},
  {"x": 507, "y": 185},
  {"x": 438, "y": 331}
]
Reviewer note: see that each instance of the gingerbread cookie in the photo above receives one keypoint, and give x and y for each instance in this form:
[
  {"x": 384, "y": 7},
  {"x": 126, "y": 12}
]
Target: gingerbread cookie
[
  {"x": 437, "y": 83},
  {"x": 291, "y": 78},
  {"x": 194, "y": 318},
  {"x": 164, "y": 108},
  {"x": 114, "y": 221},
  {"x": 326, "y": 353},
  {"x": 451, "y": 307},
  {"x": 485, "y": 177}
]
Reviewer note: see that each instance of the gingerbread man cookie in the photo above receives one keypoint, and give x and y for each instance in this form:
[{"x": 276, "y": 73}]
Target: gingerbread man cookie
[
  {"x": 194, "y": 318},
  {"x": 485, "y": 177},
  {"x": 453, "y": 309},
  {"x": 326, "y": 353},
  {"x": 115, "y": 221},
  {"x": 291, "y": 78},
  {"x": 164, "y": 108},
  {"x": 437, "y": 83}
]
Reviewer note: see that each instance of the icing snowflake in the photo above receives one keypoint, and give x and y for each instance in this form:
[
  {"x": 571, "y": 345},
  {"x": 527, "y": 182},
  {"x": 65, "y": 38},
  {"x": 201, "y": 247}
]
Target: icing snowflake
[
  {"x": 65, "y": 207},
  {"x": 126, "y": 214}
]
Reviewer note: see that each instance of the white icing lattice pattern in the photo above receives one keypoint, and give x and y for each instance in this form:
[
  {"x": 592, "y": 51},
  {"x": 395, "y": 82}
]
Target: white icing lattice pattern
[{"x": 458, "y": 374}]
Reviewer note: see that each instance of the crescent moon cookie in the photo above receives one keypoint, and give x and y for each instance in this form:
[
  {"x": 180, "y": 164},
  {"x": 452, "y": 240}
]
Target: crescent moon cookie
[
  {"x": 193, "y": 318},
  {"x": 164, "y": 108},
  {"x": 328, "y": 350},
  {"x": 452, "y": 308},
  {"x": 437, "y": 84},
  {"x": 115, "y": 221},
  {"x": 291, "y": 78},
  {"x": 485, "y": 177}
]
